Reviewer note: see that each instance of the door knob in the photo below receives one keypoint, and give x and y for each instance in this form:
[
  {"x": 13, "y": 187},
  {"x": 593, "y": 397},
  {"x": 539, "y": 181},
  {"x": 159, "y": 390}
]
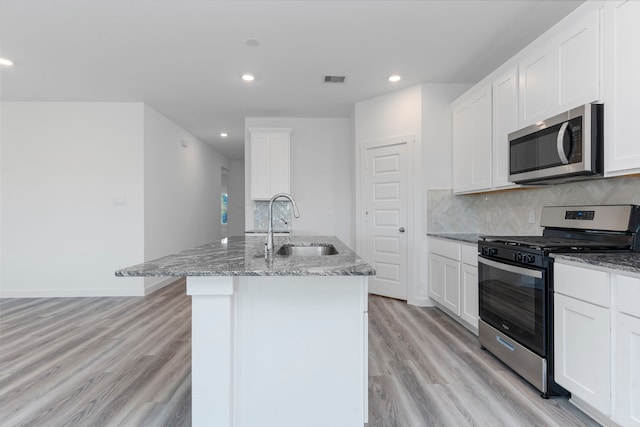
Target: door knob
[{"x": 401, "y": 229}]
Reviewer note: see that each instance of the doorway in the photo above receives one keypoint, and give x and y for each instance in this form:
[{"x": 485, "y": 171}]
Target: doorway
[{"x": 385, "y": 214}]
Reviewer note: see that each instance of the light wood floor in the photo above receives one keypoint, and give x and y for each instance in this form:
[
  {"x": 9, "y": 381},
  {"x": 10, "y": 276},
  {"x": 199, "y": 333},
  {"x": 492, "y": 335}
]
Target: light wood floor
[{"x": 126, "y": 362}]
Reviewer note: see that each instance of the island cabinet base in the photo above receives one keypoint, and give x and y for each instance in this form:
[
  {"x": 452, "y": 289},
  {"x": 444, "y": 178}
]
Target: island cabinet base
[{"x": 279, "y": 351}]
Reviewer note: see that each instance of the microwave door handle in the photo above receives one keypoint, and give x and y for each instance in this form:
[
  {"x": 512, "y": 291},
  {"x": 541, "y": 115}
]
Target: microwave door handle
[
  {"x": 511, "y": 268},
  {"x": 560, "y": 145}
]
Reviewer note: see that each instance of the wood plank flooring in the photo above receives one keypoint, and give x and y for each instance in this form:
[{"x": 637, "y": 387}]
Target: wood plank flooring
[{"x": 127, "y": 362}]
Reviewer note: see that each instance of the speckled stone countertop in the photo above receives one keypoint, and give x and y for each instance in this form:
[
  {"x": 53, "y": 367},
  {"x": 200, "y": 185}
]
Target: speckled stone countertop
[
  {"x": 459, "y": 237},
  {"x": 244, "y": 256},
  {"x": 627, "y": 261}
]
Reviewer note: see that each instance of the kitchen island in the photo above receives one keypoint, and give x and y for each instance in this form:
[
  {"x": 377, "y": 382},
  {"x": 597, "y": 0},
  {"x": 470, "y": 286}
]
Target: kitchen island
[{"x": 275, "y": 342}]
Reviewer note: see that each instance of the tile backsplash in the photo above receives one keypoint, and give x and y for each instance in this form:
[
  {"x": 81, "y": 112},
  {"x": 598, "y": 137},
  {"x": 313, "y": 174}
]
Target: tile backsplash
[
  {"x": 508, "y": 212},
  {"x": 282, "y": 213}
]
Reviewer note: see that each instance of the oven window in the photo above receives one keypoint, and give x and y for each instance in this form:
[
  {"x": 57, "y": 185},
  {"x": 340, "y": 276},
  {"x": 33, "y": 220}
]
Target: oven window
[{"x": 514, "y": 303}]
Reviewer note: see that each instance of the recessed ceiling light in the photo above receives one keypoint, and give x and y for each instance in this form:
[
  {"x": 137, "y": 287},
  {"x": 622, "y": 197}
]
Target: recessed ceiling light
[
  {"x": 224, "y": 134},
  {"x": 248, "y": 77},
  {"x": 394, "y": 78},
  {"x": 5, "y": 62},
  {"x": 253, "y": 42}
]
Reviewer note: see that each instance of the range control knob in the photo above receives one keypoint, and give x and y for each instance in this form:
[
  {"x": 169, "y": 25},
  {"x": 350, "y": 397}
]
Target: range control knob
[
  {"x": 531, "y": 259},
  {"x": 493, "y": 251},
  {"x": 519, "y": 257}
]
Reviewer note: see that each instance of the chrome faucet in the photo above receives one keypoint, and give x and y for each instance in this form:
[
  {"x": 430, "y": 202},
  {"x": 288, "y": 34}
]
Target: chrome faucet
[{"x": 268, "y": 246}]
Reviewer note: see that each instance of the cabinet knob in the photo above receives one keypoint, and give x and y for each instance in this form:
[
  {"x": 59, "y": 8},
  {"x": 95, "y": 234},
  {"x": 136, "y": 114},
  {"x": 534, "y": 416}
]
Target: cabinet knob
[{"x": 401, "y": 229}]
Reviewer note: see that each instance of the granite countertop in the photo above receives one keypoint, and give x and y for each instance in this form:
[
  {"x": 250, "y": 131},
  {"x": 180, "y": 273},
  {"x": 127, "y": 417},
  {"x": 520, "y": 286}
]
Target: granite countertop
[
  {"x": 244, "y": 256},
  {"x": 458, "y": 237},
  {"x": 626, "y": 261}
]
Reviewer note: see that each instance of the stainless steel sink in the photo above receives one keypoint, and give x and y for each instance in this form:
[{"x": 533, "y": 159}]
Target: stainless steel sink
[{"x": 307, "y": 249}]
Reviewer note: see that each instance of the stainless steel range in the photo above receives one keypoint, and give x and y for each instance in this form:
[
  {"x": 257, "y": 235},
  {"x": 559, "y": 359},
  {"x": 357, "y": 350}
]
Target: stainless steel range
[{"x": 515, "y": 275}]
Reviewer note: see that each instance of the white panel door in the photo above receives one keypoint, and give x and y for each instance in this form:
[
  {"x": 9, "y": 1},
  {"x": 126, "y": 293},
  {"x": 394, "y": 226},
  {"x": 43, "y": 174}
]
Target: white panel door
[{"x": 386, "y": 224}]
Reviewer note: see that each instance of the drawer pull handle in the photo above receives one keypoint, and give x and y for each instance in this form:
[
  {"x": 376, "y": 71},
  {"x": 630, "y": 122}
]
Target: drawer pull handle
[{"x": 505, "y": 343}]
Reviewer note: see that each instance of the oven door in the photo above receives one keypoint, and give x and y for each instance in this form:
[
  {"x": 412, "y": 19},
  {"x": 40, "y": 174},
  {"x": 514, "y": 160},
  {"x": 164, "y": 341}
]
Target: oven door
[{"x": 512, "y": 300}]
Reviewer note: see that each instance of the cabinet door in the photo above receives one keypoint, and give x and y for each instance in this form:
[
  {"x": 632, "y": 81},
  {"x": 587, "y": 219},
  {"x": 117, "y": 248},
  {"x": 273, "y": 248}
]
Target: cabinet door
[
  {"x": 481, "y": 140},
  {"x": 260, "y": 167},
  {"x": 462, "y": 140},
  {"x": 469, "y": 289},
  {"x": 582, "y": 343},
  {"x": 626, "y": 355},
  {"x": 622, "y": 68},
  {"x": 279, "y": 163},
  {"x": 472, "y": 124},
  {"x": 577, "y": 50},
  {"x": 505, "y": 120},
  {"x": 436, "y": 277},
  {"x": 451, "y": 295},
  {"x": 534, "y": 87},
  {"x": 563, "y": 72}
]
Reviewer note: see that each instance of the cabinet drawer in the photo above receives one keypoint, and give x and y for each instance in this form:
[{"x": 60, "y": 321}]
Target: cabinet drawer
[
  {"x": 582, "y": 283},
  {"x": 445, "y": 248},
  {"x": 628, "y": 295},
  {"x": 469, "y": 254}
]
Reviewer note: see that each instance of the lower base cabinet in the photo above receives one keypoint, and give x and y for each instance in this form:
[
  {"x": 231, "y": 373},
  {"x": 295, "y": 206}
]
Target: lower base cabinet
[
  {"x": 597, "y": 340},
  {"x": 453, "y": 279},
  {"x": 582, "y": 351},
  {"x": 469, "y": 288}
]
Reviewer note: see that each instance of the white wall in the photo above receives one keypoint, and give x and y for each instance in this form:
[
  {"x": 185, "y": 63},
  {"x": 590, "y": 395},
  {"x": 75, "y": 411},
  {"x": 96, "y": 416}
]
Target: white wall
[
  {"x": 321, "y": 177},
  {"x": 181, "y": 189},
  {"x": 72, "y": 198},
  {"x": 236, "y": 198},
  {"x": 422, "y": 111}
]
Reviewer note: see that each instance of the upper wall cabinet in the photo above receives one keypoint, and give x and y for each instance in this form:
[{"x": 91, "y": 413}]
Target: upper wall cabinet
[
  {"x": 563, "y": 72},
  {"x": 472, "y": 141},
  {"x": 505, "y": 120},
  {"x": 622, "y": 84},
  {"x": 270, "y": 166},
  {"x": 559, "y": 71}
]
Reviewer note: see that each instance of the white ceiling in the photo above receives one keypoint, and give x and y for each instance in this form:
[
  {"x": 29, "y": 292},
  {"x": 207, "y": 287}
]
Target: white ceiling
[{"x": 185, "y": 57}]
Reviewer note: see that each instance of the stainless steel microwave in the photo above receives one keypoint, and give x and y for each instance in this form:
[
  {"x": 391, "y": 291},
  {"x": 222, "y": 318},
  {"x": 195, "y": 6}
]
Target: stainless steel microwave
[{"x": 564, "y": 148}]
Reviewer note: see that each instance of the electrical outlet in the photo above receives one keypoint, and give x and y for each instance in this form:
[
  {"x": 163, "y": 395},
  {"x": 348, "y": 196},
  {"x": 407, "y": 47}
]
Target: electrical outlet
[{"x": 532, "y": 217}]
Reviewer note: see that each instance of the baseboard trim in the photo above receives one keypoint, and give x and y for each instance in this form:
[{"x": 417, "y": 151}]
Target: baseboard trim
[{"x": 421, "y": 302}]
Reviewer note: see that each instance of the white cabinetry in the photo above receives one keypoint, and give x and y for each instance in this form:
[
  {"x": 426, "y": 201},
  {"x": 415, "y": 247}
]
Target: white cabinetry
[
  {"x": 622, "y": 68},
  {"x": 626, "y": 355},
  {"x": 453, "y": 279},
  {"x": 469, "y": 285},
  {"x": 562, "y": 72},
  {"x": 505, "y": 120},
  {"x": 472, "y": 141},
  {"x": 597, "y": 341},
  {"x": 269, "y": 162},
  {"x": 582, "y": 334}
]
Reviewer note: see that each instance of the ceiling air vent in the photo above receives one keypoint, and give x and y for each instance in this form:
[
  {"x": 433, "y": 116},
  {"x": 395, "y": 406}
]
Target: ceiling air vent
[{"x": 334, "y": 79}]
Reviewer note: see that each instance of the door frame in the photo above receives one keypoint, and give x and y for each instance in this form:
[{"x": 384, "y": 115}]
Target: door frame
[{"x": 412, "y": 226}]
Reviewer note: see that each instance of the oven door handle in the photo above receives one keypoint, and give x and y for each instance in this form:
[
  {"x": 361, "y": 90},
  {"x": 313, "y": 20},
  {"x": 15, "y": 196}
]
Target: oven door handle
[{"x": 511, "y": 268}]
